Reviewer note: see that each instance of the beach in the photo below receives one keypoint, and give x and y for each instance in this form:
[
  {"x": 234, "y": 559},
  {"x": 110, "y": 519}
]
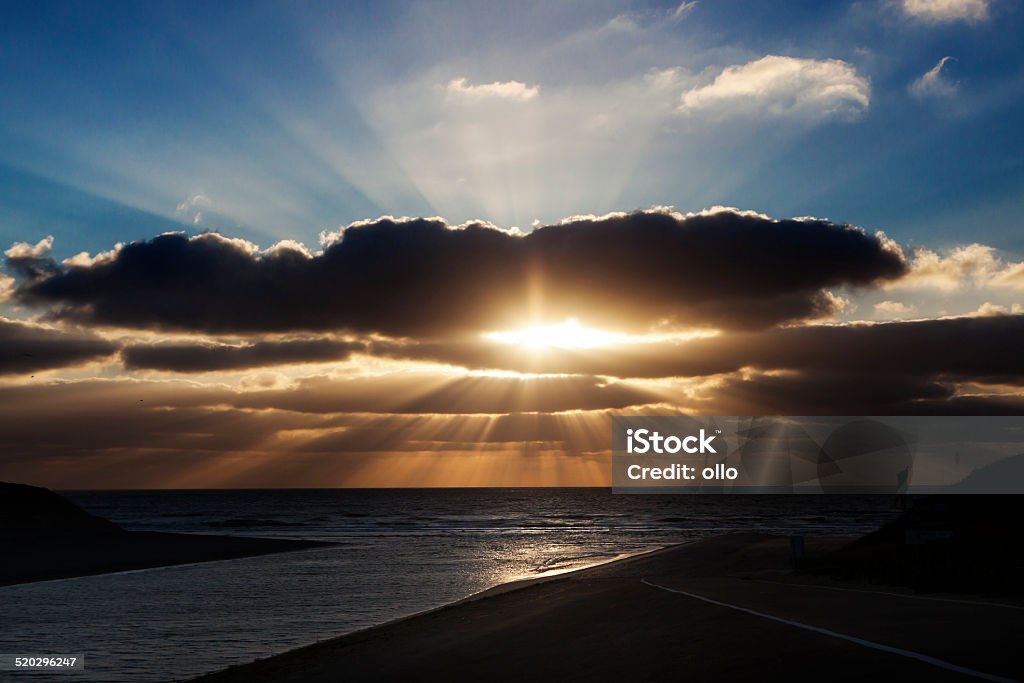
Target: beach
[{"x": 724, "y": 608}]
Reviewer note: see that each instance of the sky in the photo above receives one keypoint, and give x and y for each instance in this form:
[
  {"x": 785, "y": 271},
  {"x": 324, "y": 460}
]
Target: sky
[{"x": 439, "y": 243}]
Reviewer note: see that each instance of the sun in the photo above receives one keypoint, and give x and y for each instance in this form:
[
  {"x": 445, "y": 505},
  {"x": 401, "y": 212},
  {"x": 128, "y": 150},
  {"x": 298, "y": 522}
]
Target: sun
[{"x": 566, "y": 335}]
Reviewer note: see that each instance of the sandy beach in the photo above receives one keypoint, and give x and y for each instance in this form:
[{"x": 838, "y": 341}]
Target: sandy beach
[{"x": 726, "y": 608}]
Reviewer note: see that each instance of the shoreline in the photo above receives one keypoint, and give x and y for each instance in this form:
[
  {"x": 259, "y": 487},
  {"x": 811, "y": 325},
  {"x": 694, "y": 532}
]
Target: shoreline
[
  {"x": 498, "y": 589},
  {"x": 495, "y": 590},
  {"x": 504, "y": 588},
  {"x": 643, "y": 616},
  {"x": 487, "y": 593}
]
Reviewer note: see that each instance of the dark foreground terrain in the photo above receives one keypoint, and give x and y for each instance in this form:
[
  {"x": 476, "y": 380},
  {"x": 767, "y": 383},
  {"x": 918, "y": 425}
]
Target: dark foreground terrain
[
  {"x": 724, "y": 609},
  {"x": 44, "y": 536}
]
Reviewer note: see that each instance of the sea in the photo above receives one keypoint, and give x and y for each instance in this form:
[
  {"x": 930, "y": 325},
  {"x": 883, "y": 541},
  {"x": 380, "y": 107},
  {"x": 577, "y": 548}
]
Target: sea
[{"x": 396, "y": 553}]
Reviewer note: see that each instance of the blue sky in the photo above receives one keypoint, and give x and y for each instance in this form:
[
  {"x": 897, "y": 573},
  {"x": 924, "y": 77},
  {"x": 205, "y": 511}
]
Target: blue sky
[{"x": 280, "y": 120}]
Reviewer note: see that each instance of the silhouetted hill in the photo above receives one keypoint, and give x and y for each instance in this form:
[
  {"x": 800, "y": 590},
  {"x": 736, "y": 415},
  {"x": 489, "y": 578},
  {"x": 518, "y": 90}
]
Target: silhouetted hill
[
  {"x": 946, "y": 543},
  {"x": 33, "y": 511},
  {"x": 1003, "y": 476},
  {"x": 43, "y": 536}
]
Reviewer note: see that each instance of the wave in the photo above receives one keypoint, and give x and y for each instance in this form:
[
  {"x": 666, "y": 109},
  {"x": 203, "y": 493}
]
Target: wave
[{"x": 248, "y": 523}]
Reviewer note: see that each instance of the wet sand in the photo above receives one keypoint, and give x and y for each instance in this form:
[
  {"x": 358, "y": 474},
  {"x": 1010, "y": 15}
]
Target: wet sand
[{"x": 724, "y": 609}]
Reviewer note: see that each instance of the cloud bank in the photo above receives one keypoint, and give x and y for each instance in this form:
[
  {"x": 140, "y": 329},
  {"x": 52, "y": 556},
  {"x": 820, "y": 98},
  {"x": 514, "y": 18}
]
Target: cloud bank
[
  {"x": 211, "y": 357},
  {"x": 396, "y": 315},
  {"x": 27, "y": 348},
  {"x": 424, "y": 278}
]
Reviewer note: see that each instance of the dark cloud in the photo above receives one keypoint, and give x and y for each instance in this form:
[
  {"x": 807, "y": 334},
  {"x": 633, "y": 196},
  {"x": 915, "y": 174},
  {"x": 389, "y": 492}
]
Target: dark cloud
[
  {"x": 969, "y": 348},
  {"x": 421, "y": 278},
  {"x": 31, "y": 262},
  {"x": 425, "y": 393},
  {"x": 209, "y": 357},
  {"x": 390, "y": 393},
  {"x": 806, "y": 393},
  {"x": 968, "y": 405},
  {"x": 26, "y": 348},
  {"x": 814, "y": 393},
  {"x": 89, "y": 430}
]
